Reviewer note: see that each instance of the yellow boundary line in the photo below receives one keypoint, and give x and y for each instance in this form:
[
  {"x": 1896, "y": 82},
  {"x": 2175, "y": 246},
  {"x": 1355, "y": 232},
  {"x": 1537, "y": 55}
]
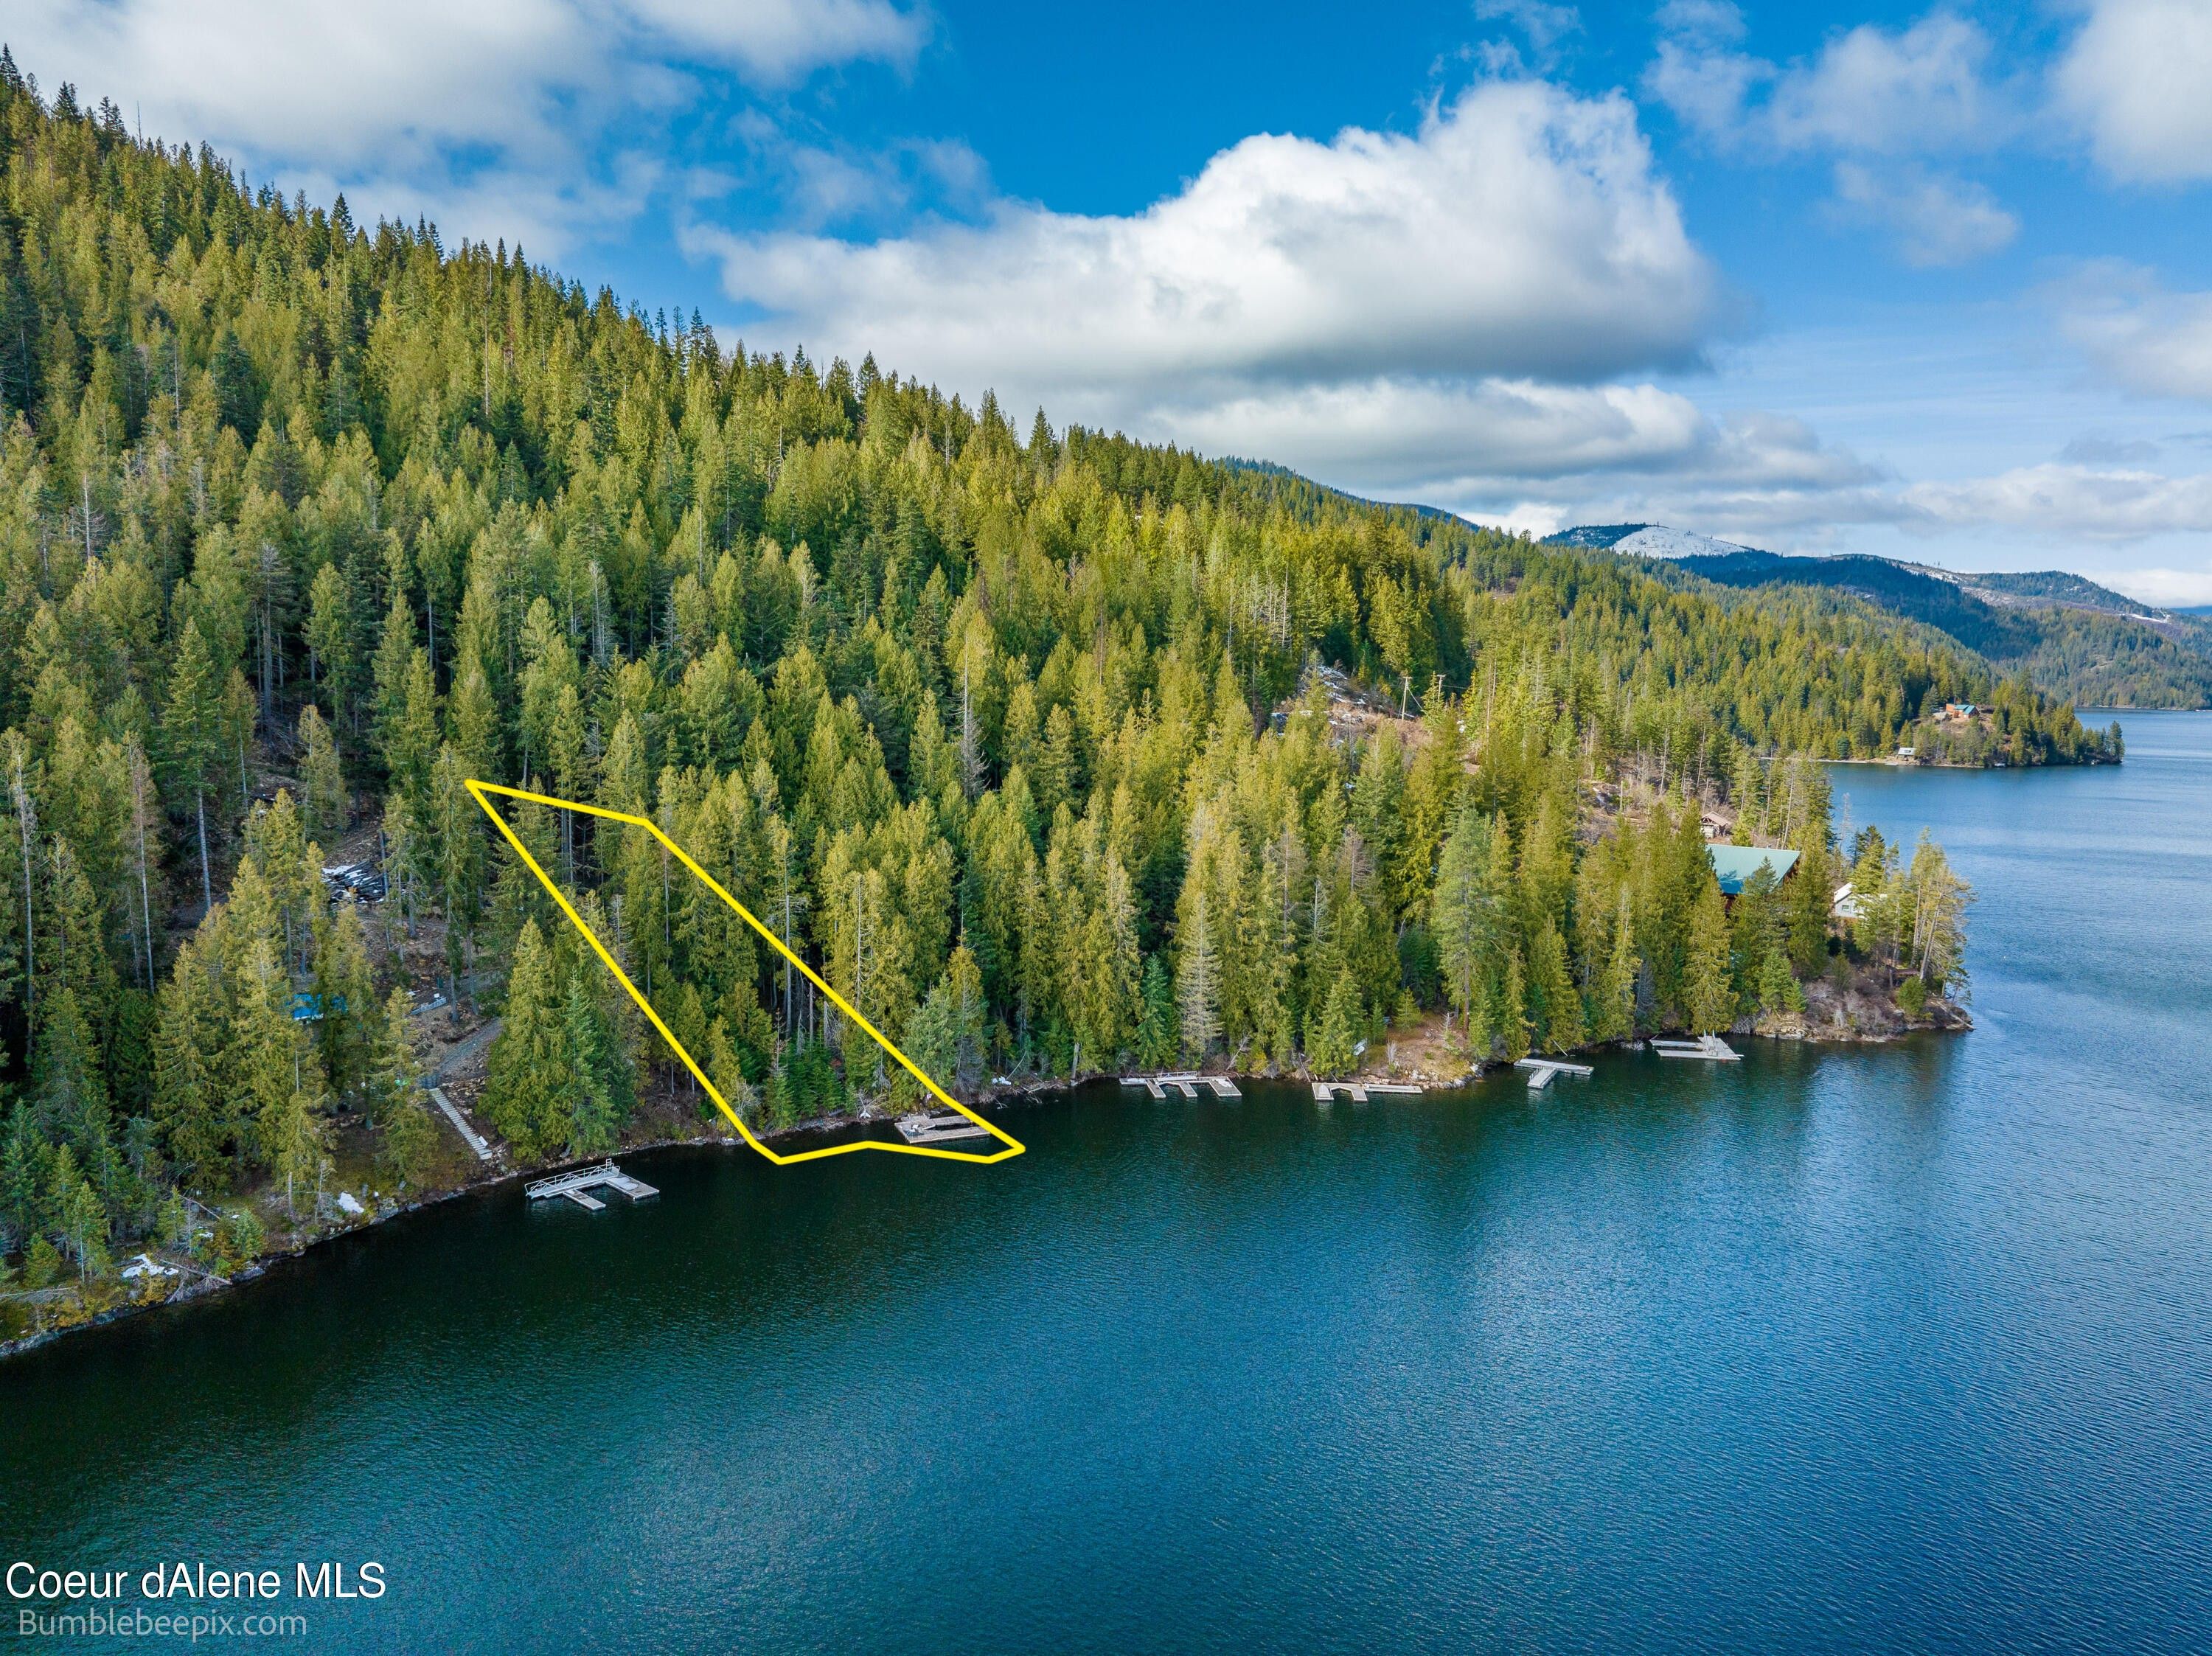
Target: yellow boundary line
[{"x": 479, "y": 789}]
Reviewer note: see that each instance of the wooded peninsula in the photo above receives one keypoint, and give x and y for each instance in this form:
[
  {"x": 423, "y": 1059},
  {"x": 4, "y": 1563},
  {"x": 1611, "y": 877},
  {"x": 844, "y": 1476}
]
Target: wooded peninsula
[{"x": 1054, "y": 751}]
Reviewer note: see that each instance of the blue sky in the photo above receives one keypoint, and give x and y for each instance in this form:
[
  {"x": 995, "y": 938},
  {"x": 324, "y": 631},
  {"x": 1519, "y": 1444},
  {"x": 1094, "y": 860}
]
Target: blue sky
[{"x": 1925, "y": 282}]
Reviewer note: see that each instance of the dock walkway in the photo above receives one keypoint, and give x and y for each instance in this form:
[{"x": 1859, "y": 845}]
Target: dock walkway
[
  {"x": 1188, "y": 1085},
  {"x": 1542, "y": 1070},
  {"x": 920, "y": 1129},
  {"x": 1705, "y": 1047},
  {"x": 576, "y": 1184}
]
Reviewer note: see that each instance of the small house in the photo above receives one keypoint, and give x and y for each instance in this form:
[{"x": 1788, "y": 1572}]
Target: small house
[
  {"x": 1846, "y": 905},
  {"x": 1736, "y": 866}
]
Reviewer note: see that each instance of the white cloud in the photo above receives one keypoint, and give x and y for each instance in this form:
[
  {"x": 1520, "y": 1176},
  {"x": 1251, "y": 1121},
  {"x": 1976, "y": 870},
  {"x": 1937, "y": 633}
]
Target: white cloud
[
  {"x": 1701, "y": 20},
  {"x": 1870, "y": 91},
  {"x": 1542, "y": 22},
  {"x": 780, "y": 40},
  {"x": 1452, "y": 443},
  {"x": 1937, "y": 221},
  {"x": 2166, "y": 587},
  {"x": 1521, "y": 231},
  {"x": 447, "y": 103},
  {"x": 2137, "y": 334},
  {"x": 1708, "y": 89},
  {"x": 2071, "y": 501},
  {"x": 2138, "y": 80}
]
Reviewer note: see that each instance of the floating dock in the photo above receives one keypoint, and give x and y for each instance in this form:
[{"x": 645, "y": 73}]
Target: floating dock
[
  {"x": 939, "y": 1129},
  {"x": 1188, "y": 1085},
  {"x": 1325, "y": 1091},
  {"x": 1705, "y": 1047},
  {"x": 577, "y": 1185},
  {"x": 1542, "y": 1070}
]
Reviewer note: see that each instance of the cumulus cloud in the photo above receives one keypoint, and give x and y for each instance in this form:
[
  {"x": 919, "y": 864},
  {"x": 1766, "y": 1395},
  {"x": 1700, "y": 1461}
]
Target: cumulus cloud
[
  {"x": 2135, "y": 79},
  {"x": 1937, "y": 220},
  {"x": 1443, "y": 315},
  {"x": 2138, "y": 335},
  {"x": 1923, "y": 88},
  {"x": 1868, "y": 91},
  {"x": 446, "y": 101},
  {"x": 1521, "y": 231}
]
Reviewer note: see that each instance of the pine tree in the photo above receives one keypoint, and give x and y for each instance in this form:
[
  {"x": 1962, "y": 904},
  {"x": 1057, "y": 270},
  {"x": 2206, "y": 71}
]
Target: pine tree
[
  {"x": 321, "y": 776},
  {"x": 1329, "y": 1048},
  {"x": 1614, "y": 1001},
  {"x": 599, "y": 1085},
  {"x": 1559, "y": 1022},
  {"x": 1708, "y": 993},
  {"x": 1158, "y": 1031},
  {"x": 526, "y": 1073},
  {"x": 187, "y": 1040},
  {"x": 1512, "y": 1013},
  {"x": 1198, "y": 986},
  {"x": 192, "y": 739},
  {"x": 349, "y": 1030}
]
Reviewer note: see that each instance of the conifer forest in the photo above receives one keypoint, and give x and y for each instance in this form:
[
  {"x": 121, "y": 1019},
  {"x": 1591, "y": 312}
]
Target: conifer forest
[{"x": 1055, "y": 753}]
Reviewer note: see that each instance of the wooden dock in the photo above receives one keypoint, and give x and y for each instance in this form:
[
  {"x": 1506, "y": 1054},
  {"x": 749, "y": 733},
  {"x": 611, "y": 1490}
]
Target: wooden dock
[
  {"x": 1705, "y": 1047},
  {"x": 1188, "y": 1085},
  {"x": 1325, "y": 1091},
  {"x": 1541, "y": 1070},
  {"x": 577, "y": 1185},
  {"x": 918, "y": 1129}
]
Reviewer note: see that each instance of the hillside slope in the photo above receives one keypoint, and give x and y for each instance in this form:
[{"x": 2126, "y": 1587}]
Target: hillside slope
[{"x": 2074, "y": 639}]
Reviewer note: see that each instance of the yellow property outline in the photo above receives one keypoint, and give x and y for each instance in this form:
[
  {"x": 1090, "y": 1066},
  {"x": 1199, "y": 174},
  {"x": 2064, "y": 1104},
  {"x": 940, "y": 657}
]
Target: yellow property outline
[{"x": 478, "y": 790}]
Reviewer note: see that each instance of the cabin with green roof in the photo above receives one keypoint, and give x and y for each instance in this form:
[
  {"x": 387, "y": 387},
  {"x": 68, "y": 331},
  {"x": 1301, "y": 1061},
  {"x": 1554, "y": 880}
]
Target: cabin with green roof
[{"x": 1735, "y": 866}]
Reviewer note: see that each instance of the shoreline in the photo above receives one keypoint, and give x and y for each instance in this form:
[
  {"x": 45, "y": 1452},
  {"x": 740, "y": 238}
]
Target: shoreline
[{"x": 1954, "y": 1020}]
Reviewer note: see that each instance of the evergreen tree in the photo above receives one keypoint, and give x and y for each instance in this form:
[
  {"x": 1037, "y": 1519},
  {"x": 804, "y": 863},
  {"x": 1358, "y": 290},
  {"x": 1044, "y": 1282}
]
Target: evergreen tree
[
  {"x": 1158, "y": 1031},
  {"x": 526, "y": 1074},
  {"x": 598, "y": 1079},
  {"x": 1198, "y": 988},
  {"x": 192, "y": 738},
  {"x": 321, "y": 776},
  {"x": 1613, "y": 1003},
  {"x": 1709, "y": 994},
  {"x": 1330, "y": 1047}
]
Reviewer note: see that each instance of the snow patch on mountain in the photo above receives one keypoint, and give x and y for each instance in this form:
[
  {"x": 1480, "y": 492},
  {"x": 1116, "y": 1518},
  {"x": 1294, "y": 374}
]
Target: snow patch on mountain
[
  {"x": 1647, "y": 541},
  {"x": 1657, "y": 540}
]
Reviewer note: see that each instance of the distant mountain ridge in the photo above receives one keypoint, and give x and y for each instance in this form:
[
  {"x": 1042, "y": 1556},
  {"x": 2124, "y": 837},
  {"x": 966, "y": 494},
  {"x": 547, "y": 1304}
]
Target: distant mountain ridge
[{"x": 2073, "y": 638}]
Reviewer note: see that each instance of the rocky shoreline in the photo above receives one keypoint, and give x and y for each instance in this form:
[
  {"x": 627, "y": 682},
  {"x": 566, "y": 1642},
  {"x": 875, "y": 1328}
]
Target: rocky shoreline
[{"x": 1831, "y": 1018}]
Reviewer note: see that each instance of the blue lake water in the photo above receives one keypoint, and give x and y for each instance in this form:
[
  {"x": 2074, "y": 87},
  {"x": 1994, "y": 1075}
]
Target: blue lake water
[{"x": 1904, "y": 1347}]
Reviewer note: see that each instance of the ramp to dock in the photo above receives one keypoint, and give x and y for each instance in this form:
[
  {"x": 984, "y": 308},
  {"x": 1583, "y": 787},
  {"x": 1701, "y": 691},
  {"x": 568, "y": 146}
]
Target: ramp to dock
[
  {"x": 469, "y": 1135},
  {"x": 577, "y": 1185}
]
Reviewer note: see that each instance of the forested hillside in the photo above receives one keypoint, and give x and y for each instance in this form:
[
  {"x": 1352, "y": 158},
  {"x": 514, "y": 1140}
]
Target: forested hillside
[
  {"x": 2071, "y": 637},
  {"x": 1016, "y": 732}
]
